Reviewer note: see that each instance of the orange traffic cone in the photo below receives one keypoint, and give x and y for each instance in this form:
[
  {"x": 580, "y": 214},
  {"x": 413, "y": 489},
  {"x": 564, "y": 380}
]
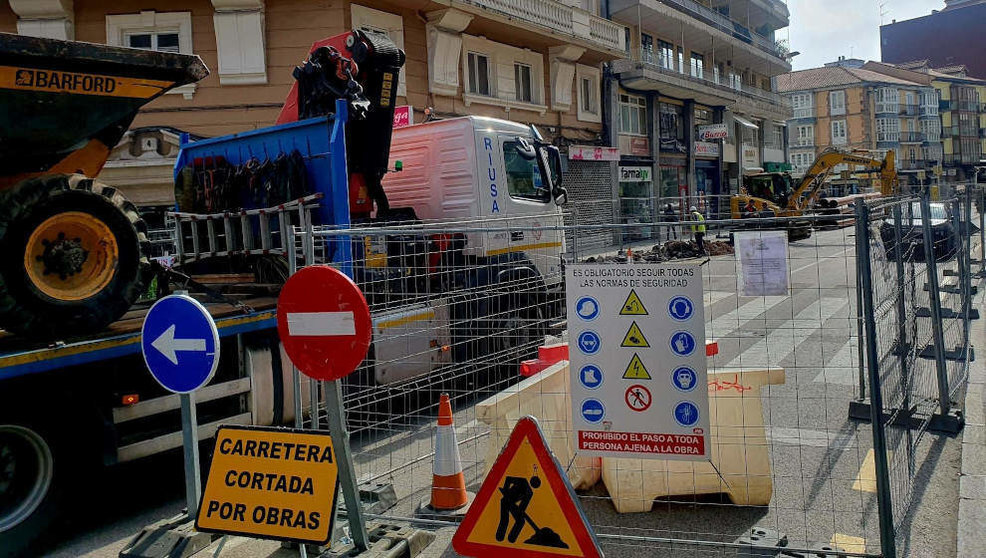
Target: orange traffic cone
[{"x": 448, "y": 486}]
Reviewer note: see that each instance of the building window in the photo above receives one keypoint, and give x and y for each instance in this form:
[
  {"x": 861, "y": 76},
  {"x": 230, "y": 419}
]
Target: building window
[
  {"x": 672, "y": 130},
  {"x": 837, "y": 102},
  {"x": 505, "y": 76},
  {"x": 522, "y": 82},
  {"x": 888, "y": 129},
  {"x": 164, "y": 31},
  {"x": 806, "y": 136},
  {"x": 479, "y": 74},
  {"x": 802, "y": 105},
  {"x": 698, "y": 66},
  {"x": 681, "y": 60},
  {"x": 886, "y": 100},
  {"x": 776, "y": 138},
  {"x": 839, "y": 132},
  {"x": 646, "y": 47},
  {"x": 588, "y": 80},
  {"x": 929, "y": 103},
  {"x": 665, "y": 54},
  {"x": 735, "y": 81},
  {"x": 385, "y": 23},
  {"x": 633, "y": 115},
  {"x": 802, "y": 161}
]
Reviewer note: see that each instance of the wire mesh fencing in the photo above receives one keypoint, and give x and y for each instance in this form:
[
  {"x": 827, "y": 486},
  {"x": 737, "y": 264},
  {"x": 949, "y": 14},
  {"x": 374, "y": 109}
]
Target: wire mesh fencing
[{"x": 476, "y": 309}]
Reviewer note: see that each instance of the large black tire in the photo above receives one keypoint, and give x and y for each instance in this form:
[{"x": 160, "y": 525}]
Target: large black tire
[
  {"x": 30, "y": 485},
  {"x": 24, "y": 308}
]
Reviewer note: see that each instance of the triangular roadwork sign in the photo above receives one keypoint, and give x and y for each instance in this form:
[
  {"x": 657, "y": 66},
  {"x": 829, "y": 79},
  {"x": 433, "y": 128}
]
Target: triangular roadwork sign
[
  {"x": 526, "y": 506},
  {"x": 636, "y": 370},
  {"x": 634, "y": 337},
  {"x": 633, "y": 305}
]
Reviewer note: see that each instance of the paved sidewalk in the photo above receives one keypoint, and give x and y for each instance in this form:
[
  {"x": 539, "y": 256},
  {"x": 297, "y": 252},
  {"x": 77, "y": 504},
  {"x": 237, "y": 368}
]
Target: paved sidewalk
[{"x": 972, "y": 483}]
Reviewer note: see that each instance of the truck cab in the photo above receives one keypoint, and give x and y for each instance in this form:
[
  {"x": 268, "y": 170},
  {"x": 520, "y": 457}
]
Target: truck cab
[{"x": 485, "y": 173}]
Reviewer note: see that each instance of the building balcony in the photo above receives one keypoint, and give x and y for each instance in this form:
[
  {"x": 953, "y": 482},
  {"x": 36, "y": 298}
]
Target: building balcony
[
  {"x": 648, "y": 74},
  {"x": 705, "y": 30},
  {"x": 961, "y": 159},
  {"x": 911, "y": 137},
  {"x": 802, "y": 142},
  {"x": 928, "y": 111},
  {"x": 887, "y": 109},
  {"x": 911, "y": 164},
  {"x": 963, "y": 106},
  {"x": 908, "y": 110},
  {"x": 548, "y": 17}
]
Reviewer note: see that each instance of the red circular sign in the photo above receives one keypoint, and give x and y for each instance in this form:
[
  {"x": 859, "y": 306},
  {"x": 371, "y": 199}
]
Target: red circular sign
[
  {"x": 324, "y": 322},
  {"x": 638, "y": 398}
]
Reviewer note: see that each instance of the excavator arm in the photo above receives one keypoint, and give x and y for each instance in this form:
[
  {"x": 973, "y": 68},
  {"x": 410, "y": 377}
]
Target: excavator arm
[{"x": 811, "y": 185}]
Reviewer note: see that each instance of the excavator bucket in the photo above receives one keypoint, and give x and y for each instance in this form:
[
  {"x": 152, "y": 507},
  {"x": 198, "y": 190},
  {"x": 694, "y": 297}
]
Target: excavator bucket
[{"x": 67, "y": 103}]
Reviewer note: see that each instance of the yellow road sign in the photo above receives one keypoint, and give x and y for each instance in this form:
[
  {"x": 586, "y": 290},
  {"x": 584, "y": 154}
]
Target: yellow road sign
[
  {"x": 526, "y": 506},
  {"x": 274, "y": 483},
  {"x": 634, "y": 337},
  {"x": 633, "y": 305},
  {"x": 636, "y": 370}
]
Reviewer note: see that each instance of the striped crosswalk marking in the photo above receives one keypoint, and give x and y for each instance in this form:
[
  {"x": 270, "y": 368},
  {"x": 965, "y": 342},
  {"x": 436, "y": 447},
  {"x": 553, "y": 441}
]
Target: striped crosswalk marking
[
  {"x": 782, "y": 340},
  {"x": 734, "y": 319},
  {"x": 842, "y": 368}
]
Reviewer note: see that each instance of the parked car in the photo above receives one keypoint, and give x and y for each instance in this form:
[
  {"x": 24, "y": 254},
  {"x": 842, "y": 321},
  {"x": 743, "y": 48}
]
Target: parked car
[{"x": 912, "y": 233}]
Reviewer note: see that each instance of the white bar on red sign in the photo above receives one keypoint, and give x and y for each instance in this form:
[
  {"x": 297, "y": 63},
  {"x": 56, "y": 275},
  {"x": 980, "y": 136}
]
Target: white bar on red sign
[{"x": 321, "y": 323}]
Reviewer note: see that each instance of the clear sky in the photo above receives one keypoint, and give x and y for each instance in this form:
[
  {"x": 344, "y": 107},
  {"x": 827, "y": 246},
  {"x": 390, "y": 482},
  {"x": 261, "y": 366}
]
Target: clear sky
[{"x": 823, "y": 30}]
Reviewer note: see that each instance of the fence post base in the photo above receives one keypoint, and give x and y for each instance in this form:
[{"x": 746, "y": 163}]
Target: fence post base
[{"x": 952, "y": 423}]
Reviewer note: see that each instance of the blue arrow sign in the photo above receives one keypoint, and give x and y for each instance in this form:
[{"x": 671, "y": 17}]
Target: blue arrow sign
[{"x": 180, "y": 343}]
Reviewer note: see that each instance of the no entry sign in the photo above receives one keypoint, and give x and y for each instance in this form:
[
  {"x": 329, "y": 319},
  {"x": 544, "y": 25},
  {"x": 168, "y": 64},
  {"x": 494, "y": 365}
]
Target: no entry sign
[{"x": 324, "y": 322}]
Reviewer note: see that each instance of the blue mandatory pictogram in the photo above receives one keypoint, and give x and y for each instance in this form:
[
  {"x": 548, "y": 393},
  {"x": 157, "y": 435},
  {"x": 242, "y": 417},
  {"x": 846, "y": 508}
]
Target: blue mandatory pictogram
[
  {"x": 587, "y": 308},
  {"x": 680, "y": 308},
  {"x": 589, "y": 342},
  {"x": 684, "y": 379},
  {"x": 682, "y": 343},
  {"x": 593, "y": 410},
  {"x": 590, "y": 376},
  {"x": 685, "y": 413}
]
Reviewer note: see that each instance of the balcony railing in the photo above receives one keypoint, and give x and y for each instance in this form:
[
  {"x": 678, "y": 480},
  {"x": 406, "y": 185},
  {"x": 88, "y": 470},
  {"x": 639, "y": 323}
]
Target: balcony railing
[
  {"x": 887, "y": 108},
  {"x": 556, "y": 16},
  {"x": 708, "y": 79},
  {"x": 911, "y": 137},
  {"x": 929, "y": 110},
  {"x": 909, "y": 110},
  {"x": 888, "y": 137},
  {"x": 965, "y": 106},
  {"x": 803, "y": 142},
  {"x": 726, "y": 25}
]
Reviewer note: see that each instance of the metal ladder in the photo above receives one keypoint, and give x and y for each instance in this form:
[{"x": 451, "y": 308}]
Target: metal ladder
[{"x": 233, "y": 233}]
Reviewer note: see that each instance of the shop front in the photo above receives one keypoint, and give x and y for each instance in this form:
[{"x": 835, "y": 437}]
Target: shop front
[{"x": 637, "y": 205}]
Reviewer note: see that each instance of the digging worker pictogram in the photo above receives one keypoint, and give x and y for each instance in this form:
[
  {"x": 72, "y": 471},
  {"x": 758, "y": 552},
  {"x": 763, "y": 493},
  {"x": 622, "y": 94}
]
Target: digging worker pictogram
[{"x": 516, "y": 494}]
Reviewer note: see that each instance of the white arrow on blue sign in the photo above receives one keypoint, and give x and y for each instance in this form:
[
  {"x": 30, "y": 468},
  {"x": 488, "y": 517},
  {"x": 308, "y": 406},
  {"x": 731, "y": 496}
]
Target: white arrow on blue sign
[{"x": 180, "y": 343}]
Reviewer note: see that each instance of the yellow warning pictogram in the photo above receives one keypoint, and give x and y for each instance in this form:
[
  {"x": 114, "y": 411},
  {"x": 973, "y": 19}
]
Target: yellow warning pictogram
[
  {"x": 526, "y": 506},
  {"x": 636, "y": 370},
  {"x": 633, "y": 305},
  {"x": 634, "y": 337}
]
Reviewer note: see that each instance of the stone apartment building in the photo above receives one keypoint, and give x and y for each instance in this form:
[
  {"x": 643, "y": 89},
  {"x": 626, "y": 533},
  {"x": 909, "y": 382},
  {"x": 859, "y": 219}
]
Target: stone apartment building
[
  {"x": 962, "y": 110},
  {"x": 851, "y": 107},
  {"x": 695, "y": 100},
  {"x": 532, "y": 61}
]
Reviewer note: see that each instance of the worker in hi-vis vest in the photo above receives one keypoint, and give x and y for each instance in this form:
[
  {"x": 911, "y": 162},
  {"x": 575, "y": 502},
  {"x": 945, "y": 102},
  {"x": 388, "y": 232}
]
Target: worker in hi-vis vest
[{"x": 698, "y": 228}]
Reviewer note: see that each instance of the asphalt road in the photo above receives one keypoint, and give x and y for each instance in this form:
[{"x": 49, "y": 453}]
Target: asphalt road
[{"x": 820, "y": 460}]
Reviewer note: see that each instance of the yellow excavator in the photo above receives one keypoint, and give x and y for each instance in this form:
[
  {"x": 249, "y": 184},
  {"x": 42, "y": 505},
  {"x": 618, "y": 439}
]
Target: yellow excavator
[{"x": 773, "y": 194}]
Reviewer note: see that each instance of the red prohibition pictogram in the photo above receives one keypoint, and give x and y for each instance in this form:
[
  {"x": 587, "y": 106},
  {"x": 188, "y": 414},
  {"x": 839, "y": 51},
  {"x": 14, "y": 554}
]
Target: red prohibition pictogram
[{"x": 638, "y": 398}]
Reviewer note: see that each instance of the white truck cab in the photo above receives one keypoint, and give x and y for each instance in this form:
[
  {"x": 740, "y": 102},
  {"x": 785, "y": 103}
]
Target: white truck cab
[{"x": 478, "y": 172}]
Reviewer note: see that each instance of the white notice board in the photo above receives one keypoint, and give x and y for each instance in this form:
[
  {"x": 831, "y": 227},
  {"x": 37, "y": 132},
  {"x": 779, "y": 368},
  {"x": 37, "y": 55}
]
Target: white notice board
[
  {"x": 763, "y": 262},
  {"x": 637, "y": 360}
]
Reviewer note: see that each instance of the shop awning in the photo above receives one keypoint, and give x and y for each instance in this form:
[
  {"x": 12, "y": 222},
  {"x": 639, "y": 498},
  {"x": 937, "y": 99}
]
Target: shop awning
[{"x": 745, "y": 122}]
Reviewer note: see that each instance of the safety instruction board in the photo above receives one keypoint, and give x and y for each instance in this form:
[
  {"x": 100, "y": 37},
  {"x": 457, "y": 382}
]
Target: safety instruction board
[
  {"x": 273, "y": 483},
  {"x": 637, "y": 360}
]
